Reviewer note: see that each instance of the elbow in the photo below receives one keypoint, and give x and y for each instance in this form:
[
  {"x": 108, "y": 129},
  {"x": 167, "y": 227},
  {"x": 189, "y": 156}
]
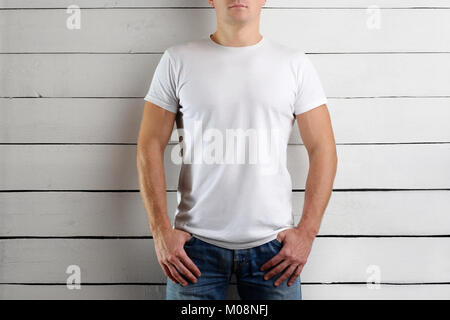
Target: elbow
[
  {"x": 332, "y": 152},
  {"x": 327, "y": 152},
  {"x": 335, "y": 159},
  {"x": 148, "y": 148}
]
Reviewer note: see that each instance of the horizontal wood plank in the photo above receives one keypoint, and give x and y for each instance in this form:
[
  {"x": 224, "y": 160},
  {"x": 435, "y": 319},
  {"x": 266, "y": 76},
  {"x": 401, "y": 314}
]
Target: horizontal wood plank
[
  {"x": 342, "y": 75},
  {"x": 109, "y": 120},
  {"x": 117, "y": 214},
  {"x": 399, "y": 260},
  {"x": 113, "y": 167},
  {"x": 157, "y": 292},
  {"x": 140, "y": 30}
]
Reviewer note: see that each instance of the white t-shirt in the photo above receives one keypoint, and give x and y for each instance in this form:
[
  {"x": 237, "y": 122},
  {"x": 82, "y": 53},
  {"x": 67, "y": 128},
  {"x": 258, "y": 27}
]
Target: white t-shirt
[{"x": 237, "y": 107}]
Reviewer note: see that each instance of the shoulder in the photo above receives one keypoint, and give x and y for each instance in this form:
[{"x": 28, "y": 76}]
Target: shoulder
[
  {"x": 295, "y": 56},
  {"x": 180, "y": 51}
]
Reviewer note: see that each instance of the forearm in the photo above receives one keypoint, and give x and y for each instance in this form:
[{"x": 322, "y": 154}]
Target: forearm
[
  {"x": 152, "y": 185},
  {"x": 319, "y": 186}
]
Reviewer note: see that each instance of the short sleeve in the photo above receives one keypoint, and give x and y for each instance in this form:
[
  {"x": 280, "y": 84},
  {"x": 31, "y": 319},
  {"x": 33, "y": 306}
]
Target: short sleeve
[
  {"x": 310, "y": 93},
  {"x": 162, "y": 91}
]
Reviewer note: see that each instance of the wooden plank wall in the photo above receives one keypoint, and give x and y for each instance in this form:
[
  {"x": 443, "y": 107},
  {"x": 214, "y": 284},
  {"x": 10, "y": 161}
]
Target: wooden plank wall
[{"x": 70, "y": 107}]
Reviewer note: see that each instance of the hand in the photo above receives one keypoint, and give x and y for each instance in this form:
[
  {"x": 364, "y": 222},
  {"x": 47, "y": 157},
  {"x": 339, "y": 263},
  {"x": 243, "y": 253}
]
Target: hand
[
  {"x": 171, "y": 255},
  {"x": 297, "y": 244}
]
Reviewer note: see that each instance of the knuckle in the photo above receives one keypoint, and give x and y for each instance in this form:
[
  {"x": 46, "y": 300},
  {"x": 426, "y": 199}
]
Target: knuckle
[
  {"x": 186, "y": 273},
  {"x": 290, "y": 257}
]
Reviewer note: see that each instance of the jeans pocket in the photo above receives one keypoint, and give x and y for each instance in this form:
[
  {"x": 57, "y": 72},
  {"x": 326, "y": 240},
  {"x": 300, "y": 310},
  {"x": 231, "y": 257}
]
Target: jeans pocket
[
  {"x": 189, "y": 241},
  {"x": 277, "y": 242}
]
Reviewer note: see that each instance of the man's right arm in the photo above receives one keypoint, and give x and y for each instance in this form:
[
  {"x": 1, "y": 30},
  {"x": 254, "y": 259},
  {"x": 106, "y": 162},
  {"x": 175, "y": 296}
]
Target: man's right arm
[{"x": 155, "y": 131}]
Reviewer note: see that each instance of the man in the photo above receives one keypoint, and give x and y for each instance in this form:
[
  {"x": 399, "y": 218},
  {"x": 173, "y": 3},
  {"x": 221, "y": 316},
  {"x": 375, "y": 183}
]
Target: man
[{"x": 234, "y": 211}]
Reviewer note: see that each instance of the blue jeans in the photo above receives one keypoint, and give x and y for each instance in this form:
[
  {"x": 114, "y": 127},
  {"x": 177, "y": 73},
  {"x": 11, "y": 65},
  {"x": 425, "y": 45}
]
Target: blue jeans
[{"x": 217, "y": 265}]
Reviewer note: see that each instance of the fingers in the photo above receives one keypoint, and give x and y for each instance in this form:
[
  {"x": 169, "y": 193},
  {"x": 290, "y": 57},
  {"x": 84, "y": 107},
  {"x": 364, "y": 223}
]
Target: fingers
[
  {"x": 181, "y": 265},
  {"x": 190, "y": 264},
  {"x": 296, "y": 274},
  {"x": 167, "y": 273},
  {"x": 276, "y": 270},
  {"x": 178, "y": 266},
  {"x": 184, "y": 271},
  {"x": 272, "y": 262},
  {"x": 285, "y": 275},
  {"x": 176, "y": 275}
]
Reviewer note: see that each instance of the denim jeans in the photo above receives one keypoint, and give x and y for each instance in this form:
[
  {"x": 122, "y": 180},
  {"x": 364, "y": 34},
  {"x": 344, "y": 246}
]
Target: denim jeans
[{"x": 217, "y": 265}]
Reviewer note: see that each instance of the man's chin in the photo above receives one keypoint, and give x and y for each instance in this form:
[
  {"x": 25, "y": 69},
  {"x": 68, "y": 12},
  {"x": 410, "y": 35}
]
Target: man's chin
[{"x": 239, "y": 18}]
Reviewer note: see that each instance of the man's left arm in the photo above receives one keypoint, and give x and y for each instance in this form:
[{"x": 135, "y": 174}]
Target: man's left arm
[{"x": 318, "y": 138}]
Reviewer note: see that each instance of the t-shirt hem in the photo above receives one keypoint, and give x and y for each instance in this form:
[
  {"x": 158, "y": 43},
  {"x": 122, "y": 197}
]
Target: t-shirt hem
[
  {"x": 247, "y": 245},
  {"x": 160, "y": 103},
  {"x": 312, "y": 105}
]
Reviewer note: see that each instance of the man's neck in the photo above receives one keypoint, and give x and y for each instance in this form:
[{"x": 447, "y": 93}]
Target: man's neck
[{"x": 236, "y": 38}]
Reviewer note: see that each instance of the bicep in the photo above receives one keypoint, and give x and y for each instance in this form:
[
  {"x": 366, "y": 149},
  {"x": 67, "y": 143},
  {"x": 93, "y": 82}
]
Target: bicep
[
  {"x": 315, "y": 128},
  {"x": 156, "y": 125}
]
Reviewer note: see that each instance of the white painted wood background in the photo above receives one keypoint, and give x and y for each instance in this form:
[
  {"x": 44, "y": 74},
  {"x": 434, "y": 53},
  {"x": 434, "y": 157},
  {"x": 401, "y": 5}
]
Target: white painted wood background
[{"x": 70, "y": 107}]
